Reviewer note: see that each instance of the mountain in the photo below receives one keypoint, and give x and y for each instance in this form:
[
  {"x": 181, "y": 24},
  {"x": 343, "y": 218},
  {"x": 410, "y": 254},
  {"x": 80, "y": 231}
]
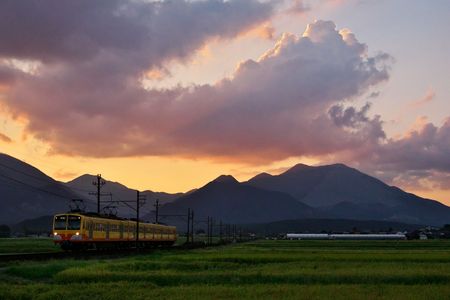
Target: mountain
[
  {"x": 228, "y": 200},
  {"x": 41, "y": 225},
  {"x": 84, "y": 186},
  {"x": 26, "y": 192},
  {"x": 339, "y": 191},
  {"x": 302, "y": 192}
]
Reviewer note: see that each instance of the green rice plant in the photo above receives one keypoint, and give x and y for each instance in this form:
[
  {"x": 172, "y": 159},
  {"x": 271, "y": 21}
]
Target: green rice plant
[
  {"x": 27, "y": 245},
  {"x": 40, "y": 271},
  {"x": 256, "y": 270}
]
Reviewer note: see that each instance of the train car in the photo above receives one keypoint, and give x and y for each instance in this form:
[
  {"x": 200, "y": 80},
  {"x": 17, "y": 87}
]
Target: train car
[
  {"x": 389, "y": 236},
  {"x": 343, "y": 236},
  {"x": 81, "y": 231},
  {"x": 307, "y": 236}
]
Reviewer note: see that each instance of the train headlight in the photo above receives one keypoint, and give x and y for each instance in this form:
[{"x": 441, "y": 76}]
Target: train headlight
[
  {"x": 55, "y": 233},
  {"x": 77, "y": 233}
]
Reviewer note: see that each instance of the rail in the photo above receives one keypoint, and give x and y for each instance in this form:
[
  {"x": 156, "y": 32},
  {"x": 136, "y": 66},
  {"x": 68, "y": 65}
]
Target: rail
[{"x": 92, "y": 254}]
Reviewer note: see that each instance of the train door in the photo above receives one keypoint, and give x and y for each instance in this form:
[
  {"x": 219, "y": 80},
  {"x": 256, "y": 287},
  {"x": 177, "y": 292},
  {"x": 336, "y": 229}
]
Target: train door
[
  {"x": 121, "y": 230},
  {"x": 91, "y": 230}
]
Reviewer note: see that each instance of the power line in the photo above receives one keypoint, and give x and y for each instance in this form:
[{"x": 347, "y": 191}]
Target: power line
[
  {"x": 56, "y": 181},
  {"x": 17, "y": 181},
  {"x": 35, "y": 187},
  {"x": 38, "y": 178}
]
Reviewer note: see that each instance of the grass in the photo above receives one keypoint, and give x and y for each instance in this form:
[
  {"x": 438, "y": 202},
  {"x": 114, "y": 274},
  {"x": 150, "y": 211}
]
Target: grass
[
  {"x": 27, "y": 245},
  {"x": 256, "y": 270}
]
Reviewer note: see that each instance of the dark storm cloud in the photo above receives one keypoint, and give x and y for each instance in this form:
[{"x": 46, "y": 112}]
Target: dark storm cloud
[{"x": 144, "y": 32}]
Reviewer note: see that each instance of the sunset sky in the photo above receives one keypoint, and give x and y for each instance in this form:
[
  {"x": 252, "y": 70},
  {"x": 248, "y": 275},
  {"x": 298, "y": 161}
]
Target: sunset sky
[{"x": 168, "y": 95}]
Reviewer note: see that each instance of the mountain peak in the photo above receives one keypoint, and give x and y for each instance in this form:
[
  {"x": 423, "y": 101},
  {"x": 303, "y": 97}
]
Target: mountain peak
[
  {"x": 298, "y": 167},
  {"x": 226, "y": 179},
  {"x": 85, "y": 178},
  {"x": 340, "y": 165},
  {"x": 261, "y": 176}
]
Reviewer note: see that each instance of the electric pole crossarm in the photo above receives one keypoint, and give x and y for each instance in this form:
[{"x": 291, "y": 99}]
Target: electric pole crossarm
[{"x": 99, "y": 184}]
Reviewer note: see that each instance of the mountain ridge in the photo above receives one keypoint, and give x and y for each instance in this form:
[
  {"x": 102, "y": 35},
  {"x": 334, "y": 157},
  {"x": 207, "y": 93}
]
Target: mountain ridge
[
  {"x": 329, "y": 188},
  {"x": 332, "y": 191}
]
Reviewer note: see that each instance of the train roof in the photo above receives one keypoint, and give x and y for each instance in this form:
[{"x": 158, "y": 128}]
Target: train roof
[{"x": 107, "y": 217}]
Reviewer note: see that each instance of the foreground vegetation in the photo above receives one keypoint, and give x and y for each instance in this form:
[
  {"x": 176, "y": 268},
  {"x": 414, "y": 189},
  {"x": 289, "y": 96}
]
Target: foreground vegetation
[
  {"x": 27, "y": 245},
  {"x": 261, "y": 269}
]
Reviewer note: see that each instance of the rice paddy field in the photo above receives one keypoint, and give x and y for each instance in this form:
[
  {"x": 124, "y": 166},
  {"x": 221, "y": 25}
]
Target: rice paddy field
[
  {"x": 263, "y": 269},
  {"x": 27, "y": 245}
]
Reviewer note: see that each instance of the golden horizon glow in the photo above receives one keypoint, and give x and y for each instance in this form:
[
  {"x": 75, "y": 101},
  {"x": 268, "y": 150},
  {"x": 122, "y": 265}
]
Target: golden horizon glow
[{"x": 158, "y": 174}]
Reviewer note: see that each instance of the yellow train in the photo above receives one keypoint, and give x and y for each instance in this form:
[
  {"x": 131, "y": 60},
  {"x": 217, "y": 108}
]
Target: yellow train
[{"x": 91, "y": 231}]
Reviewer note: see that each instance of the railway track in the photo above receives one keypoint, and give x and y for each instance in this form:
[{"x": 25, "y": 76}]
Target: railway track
[
  {"x": 72, "y": 255},
  {"x": 91, "y": 254}
]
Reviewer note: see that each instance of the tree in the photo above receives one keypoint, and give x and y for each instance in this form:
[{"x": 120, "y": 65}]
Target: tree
[{"x": 5, "y": 231}]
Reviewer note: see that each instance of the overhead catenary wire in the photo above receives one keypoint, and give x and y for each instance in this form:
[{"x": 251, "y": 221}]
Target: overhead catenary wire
[
  {"x": 29, "y": 186},
  {"x": 35, "y": 187},
  {"x": 39, "y": 178},
  {"x": 88, "y": 202}
]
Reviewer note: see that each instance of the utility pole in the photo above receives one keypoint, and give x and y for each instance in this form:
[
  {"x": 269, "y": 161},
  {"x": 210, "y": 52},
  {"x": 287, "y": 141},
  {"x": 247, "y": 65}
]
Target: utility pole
[
  {"x": 137, "y": 219},
  {"x": 188, "y": 225},
  {"x": 156, "y": 205},
  {"x": 139, "y": 198},
  {"x": 192, "y": 225},
  {"x": 208, "y": 236},
  {"x": 99, "y": 183},
  {"x": 212, "y": 231},
  {"x": 239, "y": 233}
]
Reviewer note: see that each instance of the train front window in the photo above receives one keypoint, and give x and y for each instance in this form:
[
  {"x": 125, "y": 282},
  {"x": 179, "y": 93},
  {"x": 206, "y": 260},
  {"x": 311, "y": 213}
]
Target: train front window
[
  {"x": 60, "y": 222},
  {"x": 74, "y": 223}
]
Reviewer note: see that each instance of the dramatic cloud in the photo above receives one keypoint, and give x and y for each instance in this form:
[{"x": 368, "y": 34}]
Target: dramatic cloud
[
  {"x": 7, "y": 75},
  {"x": 297, "y": 7},
  {"x": 74, "y": 70},
  {"x": 419, "y": 160},
  {"x": 4, "y": 138},
  {"x": 142, "y": 33},
  {"x": 424, "y": 148},
  {"x": 276, "y": 107}
]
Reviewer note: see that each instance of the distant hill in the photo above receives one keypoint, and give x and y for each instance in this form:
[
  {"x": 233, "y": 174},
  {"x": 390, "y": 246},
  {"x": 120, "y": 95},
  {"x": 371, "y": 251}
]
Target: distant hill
[
  {"x": 41, "y": 225},
  {"x": 343, "y": 192},
  {"x": 26, "y": 192},
  {"x": 327, "y": 225},
  {"x": 83, "y": 185},
  {"x": 230, "y": 201}
]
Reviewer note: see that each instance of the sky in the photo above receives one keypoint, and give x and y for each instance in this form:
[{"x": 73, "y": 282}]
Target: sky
[{"x": 168, "y": 95}]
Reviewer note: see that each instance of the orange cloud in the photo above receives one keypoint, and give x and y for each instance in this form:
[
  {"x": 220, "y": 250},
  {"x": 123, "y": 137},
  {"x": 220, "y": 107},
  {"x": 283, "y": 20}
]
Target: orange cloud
[
  {"x": 4, "y": 138},
  {"x": 265, "y": 31},
  {"x": 62, "y": 174},
  {"x": 427, "y": 98},
  {"x": 155, "y": 74}
]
